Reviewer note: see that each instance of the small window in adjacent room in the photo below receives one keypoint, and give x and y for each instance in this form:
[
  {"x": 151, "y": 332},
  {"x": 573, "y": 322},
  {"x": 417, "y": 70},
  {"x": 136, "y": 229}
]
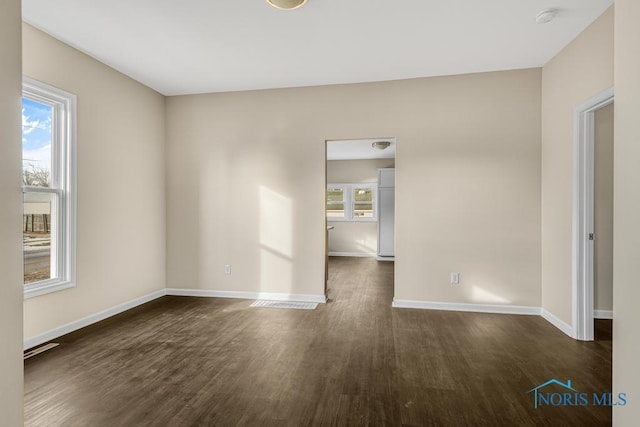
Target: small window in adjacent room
[
  {"x": 351, "y": 202},
  {"x": 335, "y": 202},
  {"x": 48, "y": 186},
  {"x": 363, "y": 202}
]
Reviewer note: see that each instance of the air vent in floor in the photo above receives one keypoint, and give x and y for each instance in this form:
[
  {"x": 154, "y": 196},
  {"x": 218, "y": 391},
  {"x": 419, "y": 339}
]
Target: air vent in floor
[
  {"x": 285, "y": 304},
  {"x": 41, "y": 349}
]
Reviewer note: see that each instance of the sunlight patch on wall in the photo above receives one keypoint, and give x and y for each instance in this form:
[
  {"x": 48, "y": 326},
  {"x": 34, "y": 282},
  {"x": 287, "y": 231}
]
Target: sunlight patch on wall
[
  {"x": 367, "y": 246},
  {"x": 276, "y": 272},
  {"x": 276, "y": 222},
  {"x": 276, "y": 242},
  {"x": 480, "y": 295}
]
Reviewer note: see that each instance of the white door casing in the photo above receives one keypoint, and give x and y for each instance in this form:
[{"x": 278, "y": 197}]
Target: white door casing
[{"x": 583, "y": 206}]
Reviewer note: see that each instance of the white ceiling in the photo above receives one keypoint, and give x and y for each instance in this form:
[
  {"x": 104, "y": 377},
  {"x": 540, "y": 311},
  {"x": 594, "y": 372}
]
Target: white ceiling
[
  {"x": 359, "y": 149},
  {"x": 198, "y": 46}
]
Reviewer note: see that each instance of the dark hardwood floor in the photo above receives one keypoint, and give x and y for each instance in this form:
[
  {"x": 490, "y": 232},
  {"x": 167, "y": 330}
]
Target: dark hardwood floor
[
  {"x": 603, "y": 330},
  {"x": 182, "y": 361}
]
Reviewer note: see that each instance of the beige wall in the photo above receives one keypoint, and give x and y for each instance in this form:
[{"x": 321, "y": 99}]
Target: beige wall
[
  {"x": 603, "y": 209},
  {"x": 354, "y": 237},
  {"x": 581, "y": 70},
  {"x": 626, "y": 292},
  {"x": 246, "y": 179},
  {"x": 10, "y": 216},
  {"x": 356, "y": 171},
  {"x": 121, "y": 184}
]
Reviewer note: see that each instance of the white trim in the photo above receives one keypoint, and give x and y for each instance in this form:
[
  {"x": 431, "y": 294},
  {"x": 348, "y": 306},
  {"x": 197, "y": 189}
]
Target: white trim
[
  {"x": 603, "y": 314},
  {"x": 356, "y": 219},
  {"x": 102, "y": 315},
  {"x": 354, "y": 254},
  {"x": 476, "y": 308},
  {"x": 582, "y": 254},
  {"x": 91, "y": 319},
  {"x": 321, "y": 299},
  {"x": 46, "y": 287},
  {"x": 555, "y": 321},
  {"x": 385, "y": 258},
  {"x": 487, "y": 308}
]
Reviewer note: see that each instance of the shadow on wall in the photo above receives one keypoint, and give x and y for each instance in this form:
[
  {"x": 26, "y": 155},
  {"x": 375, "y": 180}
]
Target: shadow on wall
[{"x": 276, "y": 241}]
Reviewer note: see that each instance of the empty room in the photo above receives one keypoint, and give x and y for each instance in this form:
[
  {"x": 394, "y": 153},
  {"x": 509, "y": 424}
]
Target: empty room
[{"x": 319, "y": 212}]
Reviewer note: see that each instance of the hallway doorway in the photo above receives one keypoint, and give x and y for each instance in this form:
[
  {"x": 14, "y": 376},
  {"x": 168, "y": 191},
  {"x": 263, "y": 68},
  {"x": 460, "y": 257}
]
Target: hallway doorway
[
  {"x": 593, "y": 214},
  {"x": 360, "y": 200}
]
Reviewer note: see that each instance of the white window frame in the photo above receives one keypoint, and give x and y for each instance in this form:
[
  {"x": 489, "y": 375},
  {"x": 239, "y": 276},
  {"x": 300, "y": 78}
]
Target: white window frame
[
  {"x": 344, "y": 202},
  {"x": 349, "y": 202},
  {"x": 63, "y": 185}
]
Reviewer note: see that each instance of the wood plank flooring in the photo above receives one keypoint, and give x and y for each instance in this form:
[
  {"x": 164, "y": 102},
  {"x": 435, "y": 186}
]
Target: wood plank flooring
[{"x": 182, "y": 361}]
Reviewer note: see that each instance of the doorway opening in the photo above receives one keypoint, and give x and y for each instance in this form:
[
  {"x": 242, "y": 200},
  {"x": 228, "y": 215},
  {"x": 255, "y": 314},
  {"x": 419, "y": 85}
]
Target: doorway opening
[
  {"x": 593, "y": 217},
  {"x": 359, "y": 204}
]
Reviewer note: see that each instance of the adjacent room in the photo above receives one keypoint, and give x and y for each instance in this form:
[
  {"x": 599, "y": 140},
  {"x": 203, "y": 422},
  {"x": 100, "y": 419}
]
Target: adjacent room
[{"x": 318, "y": 212}]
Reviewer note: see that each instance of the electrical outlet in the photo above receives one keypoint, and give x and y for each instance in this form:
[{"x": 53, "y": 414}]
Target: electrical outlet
[
  {"x": 455, "y": 278},
  {"x": 227, "y": 269}
]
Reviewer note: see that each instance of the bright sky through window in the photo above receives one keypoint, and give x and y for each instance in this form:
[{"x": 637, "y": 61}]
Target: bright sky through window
[{"x": 36, "y": 135}]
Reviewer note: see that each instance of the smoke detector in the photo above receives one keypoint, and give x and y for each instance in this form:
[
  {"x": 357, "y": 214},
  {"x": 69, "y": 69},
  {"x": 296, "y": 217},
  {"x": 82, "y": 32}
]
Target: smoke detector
[{"x": 545, "y": 16}]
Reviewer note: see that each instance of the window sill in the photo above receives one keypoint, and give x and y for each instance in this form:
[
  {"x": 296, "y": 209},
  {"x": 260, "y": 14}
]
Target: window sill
[
  {"x": 46, "y": 287},
  {"x": 352, "y": 220}
]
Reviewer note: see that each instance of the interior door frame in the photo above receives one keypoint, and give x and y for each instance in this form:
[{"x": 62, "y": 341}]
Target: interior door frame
[
  {"x": 326, "y": 223},
  {"x": 583, "y": 206}
]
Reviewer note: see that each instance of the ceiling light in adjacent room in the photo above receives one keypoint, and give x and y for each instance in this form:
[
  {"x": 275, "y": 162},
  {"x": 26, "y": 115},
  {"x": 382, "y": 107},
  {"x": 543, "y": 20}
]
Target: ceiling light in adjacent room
[
  {"x": 545, "y": 16},
  {"x": 381, "y": 145},
  {"x": 287, "y": 4}
]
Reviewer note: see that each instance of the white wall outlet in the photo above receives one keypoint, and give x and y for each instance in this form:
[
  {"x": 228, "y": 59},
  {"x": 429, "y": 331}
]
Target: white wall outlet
[
  {"x": 455, "y": 278},
  {"x": 227, "y": 269}
]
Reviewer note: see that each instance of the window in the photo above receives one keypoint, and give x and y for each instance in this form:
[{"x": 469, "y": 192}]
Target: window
[
  {"x": 336, "y": 201},
  {"x": 351, "y": 202},
  {"x": 362, "y": 202},
  {"x": 48, "y": 186}
]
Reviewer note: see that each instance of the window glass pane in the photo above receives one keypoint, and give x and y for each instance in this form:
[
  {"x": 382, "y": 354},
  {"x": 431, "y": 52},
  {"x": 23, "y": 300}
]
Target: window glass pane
[
  {"x": 37, "y": 224},
  {"x": 363, "y": 210},
  {"x": 335, "y": 195},
  {"x": 335, "y": 210},
  {"x": 36, "y": 143},
  {"x": 362, "y": 194},
  {"x": 335, "y": 202}
]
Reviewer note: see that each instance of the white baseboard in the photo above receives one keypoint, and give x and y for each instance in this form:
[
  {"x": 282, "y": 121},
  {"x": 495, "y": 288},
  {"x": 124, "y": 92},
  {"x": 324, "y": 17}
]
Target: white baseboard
[
  {"x": 486, "y": 308},
  {"x": 385, "y": 258},
  {"x": 354, "y": 254},
  {"x": 478, "y": 308},
  {"x": 89, "y": 320},
  {"x": 555, "y": 321},
  {"x": 321, "y": 299},
  {"x": 428, "y": 305},
  {"x": 603, "y": 314}
]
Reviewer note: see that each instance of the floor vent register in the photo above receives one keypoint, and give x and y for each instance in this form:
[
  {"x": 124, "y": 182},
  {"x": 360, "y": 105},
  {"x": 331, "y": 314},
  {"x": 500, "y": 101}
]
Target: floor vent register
[{"x": 285, "y": 304}]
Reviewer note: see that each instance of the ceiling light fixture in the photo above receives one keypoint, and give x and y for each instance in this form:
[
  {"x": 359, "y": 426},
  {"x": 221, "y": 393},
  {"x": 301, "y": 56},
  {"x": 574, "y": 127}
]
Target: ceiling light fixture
[
  {"x": 287, "y": 4},
  {"x": 545, "y": 16},
  {"x": 381, "y": 145}
]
